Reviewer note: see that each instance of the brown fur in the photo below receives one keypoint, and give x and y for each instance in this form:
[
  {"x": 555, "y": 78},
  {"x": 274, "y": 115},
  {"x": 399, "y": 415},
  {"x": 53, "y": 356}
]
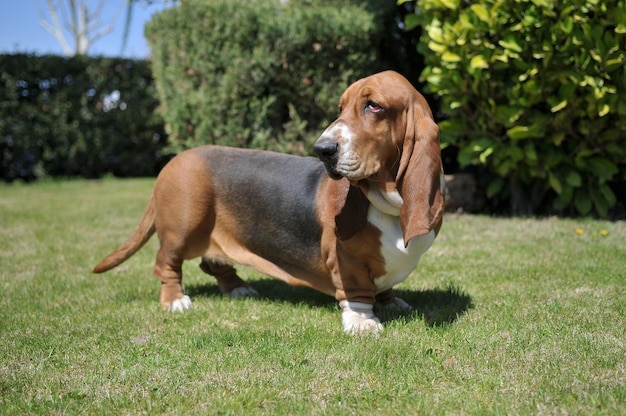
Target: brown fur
[{"x": 283, "y": 216}]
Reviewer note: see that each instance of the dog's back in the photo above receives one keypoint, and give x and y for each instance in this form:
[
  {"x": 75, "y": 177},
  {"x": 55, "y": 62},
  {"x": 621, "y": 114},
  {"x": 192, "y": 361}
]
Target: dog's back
[{"x": 271, "y": 199}]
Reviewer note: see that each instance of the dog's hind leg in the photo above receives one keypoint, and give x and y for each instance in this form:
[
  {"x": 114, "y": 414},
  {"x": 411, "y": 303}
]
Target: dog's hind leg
[
  {"x": 226, "y": 275},
  {"x": 168, "y": 270}
]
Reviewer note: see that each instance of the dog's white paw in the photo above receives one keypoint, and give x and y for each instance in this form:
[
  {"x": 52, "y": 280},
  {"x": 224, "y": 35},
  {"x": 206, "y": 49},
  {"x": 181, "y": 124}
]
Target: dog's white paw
[
  {"x": 359, "y": 319},
  {"x": 243, "y": 292},
  {"x": 180, "y": 305}
]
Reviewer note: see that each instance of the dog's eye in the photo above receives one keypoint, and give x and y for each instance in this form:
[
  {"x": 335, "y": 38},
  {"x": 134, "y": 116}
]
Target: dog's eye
[{"x": 371, "y": 106}]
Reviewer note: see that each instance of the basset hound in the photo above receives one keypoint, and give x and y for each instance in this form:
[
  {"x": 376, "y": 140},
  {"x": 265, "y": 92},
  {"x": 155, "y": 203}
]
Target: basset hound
[{"x": 352, "y": 226}]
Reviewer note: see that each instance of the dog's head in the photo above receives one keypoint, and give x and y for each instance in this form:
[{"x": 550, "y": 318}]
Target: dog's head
[{"x": 385, "y": 137}]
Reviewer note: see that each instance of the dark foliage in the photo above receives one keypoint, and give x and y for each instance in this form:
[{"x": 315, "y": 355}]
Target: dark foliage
[
  {"x": 78, "y": 117},
  {"x": 262, "y": 74}
]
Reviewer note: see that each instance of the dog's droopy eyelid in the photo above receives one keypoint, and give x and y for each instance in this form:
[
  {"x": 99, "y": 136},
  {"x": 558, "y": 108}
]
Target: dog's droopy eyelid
[{"x": 373, "y": 106}]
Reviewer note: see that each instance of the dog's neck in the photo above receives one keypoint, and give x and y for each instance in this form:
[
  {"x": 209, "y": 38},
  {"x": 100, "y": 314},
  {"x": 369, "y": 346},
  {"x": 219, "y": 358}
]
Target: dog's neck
[{"x": 386, "y": 201}]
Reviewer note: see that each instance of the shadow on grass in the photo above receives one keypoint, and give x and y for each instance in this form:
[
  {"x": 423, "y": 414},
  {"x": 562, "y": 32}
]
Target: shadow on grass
[
  {"x": 270, "y": 291},
  {"x": 436, "y": 307}
]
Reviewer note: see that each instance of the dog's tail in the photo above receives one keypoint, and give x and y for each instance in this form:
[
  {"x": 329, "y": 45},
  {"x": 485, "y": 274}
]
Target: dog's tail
[{"x": 137, "y": 239}]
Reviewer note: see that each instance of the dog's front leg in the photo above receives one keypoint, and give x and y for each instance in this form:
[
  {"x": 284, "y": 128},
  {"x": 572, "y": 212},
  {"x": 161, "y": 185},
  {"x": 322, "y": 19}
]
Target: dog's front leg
[
  {"x": 359, "y": 318},
  {"x": 356, "y": 294}
]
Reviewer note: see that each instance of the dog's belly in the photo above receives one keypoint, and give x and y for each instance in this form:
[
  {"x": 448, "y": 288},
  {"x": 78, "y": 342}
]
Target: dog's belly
[{"x": 400, "y": 261}]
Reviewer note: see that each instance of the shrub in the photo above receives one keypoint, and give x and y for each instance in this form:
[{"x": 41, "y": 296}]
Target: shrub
[
  {"x": 258, "y": 73},
  {"x": 78, "y": 117},
  {"x": 535, "y": 90}
]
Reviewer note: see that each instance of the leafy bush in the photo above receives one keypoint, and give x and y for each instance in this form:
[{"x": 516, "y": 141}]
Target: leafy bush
[
  {"x": 78, "y": 117},
  {"x": 535, "y": 90},
  {"x": 258, "y": 73}
]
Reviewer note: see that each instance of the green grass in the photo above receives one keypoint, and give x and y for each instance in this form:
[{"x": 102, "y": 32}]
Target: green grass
[{"x": 513, "y": 316}]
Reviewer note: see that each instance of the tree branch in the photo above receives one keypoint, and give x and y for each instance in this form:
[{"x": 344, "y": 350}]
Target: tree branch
[
  {"x": 84, "y": 26},
  {"x": 55, "y": 27}
]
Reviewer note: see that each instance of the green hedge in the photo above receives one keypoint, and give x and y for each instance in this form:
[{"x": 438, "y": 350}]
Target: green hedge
[
  {"x": 78, "y": 117},
  {"x": 260, "y": 74},
  {"x": 535, "y": 91}
]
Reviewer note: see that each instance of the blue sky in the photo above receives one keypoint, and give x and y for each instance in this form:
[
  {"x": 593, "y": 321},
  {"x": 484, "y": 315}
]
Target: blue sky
[{"x": 20, "y": 31}]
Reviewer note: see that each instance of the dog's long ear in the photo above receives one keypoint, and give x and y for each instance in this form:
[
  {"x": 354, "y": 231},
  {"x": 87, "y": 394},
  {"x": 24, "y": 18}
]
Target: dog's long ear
[
  {"x": 346, "y": 207},
  {"x": 420, "y": 174}
]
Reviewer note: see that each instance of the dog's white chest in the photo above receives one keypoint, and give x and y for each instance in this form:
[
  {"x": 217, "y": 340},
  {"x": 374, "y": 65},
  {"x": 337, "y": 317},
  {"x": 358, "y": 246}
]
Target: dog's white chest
[{"x": 400, "y": 261}]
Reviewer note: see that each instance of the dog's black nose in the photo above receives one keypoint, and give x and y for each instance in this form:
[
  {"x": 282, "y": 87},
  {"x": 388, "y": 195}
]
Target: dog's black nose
[{"x": 326, "y": 149}]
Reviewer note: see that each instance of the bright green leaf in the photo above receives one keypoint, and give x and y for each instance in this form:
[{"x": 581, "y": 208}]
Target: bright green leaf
[
  {"x": 510, "y": 43},
  {"x": 411, "y": 21},
  {"x": 482, "y": 144},
  {"x": 450, "y": 57},
  {"x": 481, "y": 12},
  {"x": 595, "y": 55},
  {"x": 541, "y": 3},
  {"x": 501, "y": 57},
  {"x": 436, "y": 47},
  {"x": 433, "y": 79},
  {"x": 604, "y": 110},
  {"x": 465, "y": 22},
  {"x": 528, "y": 74},
  {"x": 479, "y": 62},
  {"x": 435, "y": 32},
  {"x": 567, "y": 25},
  {"x": 614, "y": 62},
  {"x": 450, "y": 4},
  {"x": 558, "y": 107},
  {"x": 524, "y": 132},
  {"x": 485, "y": 155}
]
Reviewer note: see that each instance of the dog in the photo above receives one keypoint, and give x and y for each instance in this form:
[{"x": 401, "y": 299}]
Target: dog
[{"x": 351, "y": 223}]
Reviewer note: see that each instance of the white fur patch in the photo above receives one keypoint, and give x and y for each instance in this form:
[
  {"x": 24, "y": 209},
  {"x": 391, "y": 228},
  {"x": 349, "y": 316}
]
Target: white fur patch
[
  {"x": 400, "y": 261},
  {"x": 340, "y": 132},
  {"x": 180, "y": 305},
  {"x": 386, "y": 202},
  {"x": 346, "y": 137},
  {"x": 358, "y": 318},
  {"x": 348, "y": 162}
]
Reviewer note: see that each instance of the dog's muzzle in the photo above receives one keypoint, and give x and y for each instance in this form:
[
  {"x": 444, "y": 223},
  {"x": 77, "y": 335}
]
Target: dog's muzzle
[{"x": 327, "y": 150}]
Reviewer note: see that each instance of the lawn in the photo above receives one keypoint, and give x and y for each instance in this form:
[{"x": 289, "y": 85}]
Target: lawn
[{"x": 512, "y": 316}]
